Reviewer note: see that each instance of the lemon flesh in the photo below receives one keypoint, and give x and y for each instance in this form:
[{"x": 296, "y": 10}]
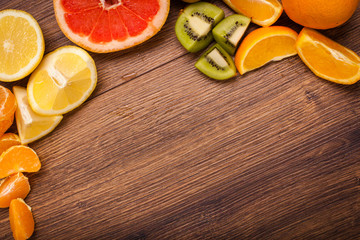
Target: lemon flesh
[
  {"x": 31, "y": 126},
  {"x": 63, "y": 81},
  {"x": 21, "y": 45}
]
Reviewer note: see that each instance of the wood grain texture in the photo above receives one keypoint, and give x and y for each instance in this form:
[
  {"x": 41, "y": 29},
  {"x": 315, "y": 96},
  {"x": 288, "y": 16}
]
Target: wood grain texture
[{"x": 160, "y": 151}]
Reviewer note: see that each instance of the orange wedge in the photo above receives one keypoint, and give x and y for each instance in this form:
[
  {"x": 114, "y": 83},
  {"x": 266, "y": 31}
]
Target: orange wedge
[
  {"x": 8, "y": 140},
  {"x": 328, "y": 59},
  {"x": 261, "y": 12},
  {"x": 12, "y": 187},
  {"x": 18, "y": 159},
  {"x": 21, "y": 219},
  {"x": 264, "y": 45}
]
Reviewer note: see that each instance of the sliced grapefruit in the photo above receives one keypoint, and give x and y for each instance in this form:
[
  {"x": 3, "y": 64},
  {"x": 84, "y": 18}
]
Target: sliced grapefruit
[{"x": 110, "y": 25}]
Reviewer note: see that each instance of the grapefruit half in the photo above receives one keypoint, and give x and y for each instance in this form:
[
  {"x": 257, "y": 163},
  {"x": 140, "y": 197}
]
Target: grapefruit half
[{"x": 110, "y": 25}]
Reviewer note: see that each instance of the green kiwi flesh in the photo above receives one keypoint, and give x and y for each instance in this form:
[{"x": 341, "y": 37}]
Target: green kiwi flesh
[
  {"x": 194, "y": 25},
  {"x": 216, "y": 63},
  {"x": 230, "y": 30}
]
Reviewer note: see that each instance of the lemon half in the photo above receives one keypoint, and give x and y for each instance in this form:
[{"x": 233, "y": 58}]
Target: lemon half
[{"x": 21, "y": 45}]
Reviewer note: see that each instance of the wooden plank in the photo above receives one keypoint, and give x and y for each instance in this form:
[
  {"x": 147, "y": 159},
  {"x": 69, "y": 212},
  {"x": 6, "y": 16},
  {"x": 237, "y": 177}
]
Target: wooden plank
[{"x": 171, "y": 154}]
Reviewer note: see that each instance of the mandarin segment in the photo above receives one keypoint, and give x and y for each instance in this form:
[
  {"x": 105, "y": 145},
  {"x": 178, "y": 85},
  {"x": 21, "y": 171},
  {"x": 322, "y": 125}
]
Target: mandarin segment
[
  {"x": 18, "y": 159},
  {"x": 8, "y": 140},
  {"x": 328, "y": 59},
  {"x": 12, "y": 187},
  {"x": 21, "y": 219},
  {"x": 5, "y": 124},
  {"x": 7, "y": 103}
]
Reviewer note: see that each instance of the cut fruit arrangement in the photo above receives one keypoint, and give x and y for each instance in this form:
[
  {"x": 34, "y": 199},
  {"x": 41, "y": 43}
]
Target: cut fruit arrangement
[
  {"x": 64, "y": 79},
  {"x": 200, "y": 23},
  {"x": 59, "y": 82}
]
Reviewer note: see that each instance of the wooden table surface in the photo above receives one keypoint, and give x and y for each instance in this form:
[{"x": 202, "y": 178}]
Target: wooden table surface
[{"x": 160, "y": 151}]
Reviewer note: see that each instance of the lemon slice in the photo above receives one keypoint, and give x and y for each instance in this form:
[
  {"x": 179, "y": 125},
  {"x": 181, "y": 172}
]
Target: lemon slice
[
  {"x": 31, "y": 126},
  {"x": 64, "y": 80},
  {"x": 21, "y": 45}
]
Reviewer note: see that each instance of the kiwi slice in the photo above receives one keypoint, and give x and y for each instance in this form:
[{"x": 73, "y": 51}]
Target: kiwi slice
[
  {"x": 230, "y": 30},
  {"x": 216, "y": 63},
  {"x": 194, "y": 25}
]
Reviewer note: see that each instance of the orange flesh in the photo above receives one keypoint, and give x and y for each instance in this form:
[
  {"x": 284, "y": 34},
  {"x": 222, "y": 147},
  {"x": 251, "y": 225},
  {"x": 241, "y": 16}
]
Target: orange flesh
[
  {"x": 8, "y": 140},
  {"x": 6, "y": 123},
  {"x": 14, "y": 186},
  {"x": 275, "y": 46},
  {"x": 21, "y": 219},
  {"x": 261, "y": 10},
  {"x": 104, "y": 21},
  {"x": 7, "y": 103},
  {"x": 18, "y": 159},
  {"x": 326, "y": 56}
]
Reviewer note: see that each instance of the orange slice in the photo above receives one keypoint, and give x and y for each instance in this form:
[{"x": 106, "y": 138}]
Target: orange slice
[
  {"x": 18, "y": 159},
  {"x": 8, "y": 140},
  {"x": 12, "y": 187},
  {"x": 21, "y": 219},
  {"x": 328, "y": 59},
  {"x": 261, "y": 12},
  {"x": 110, "y": 25},
  {"x": 264, "y": 45}
]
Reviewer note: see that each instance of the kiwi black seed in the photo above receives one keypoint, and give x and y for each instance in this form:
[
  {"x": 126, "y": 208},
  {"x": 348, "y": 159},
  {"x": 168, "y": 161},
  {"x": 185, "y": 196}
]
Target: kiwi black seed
[
  {"x": 230, "y": 30},
  {"x": 194, "y": 25},
  {"x": 216, "y": 63}
]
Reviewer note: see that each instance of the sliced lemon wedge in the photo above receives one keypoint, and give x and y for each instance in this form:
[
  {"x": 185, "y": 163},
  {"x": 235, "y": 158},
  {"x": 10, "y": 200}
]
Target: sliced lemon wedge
[
  {"x": 31, "y": 126},
  {"x": 63, "y": 81}
]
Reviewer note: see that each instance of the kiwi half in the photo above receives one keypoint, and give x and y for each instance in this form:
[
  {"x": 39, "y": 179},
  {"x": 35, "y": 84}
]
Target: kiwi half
[
  {"x": 230, "y": 30},
  {"x": 194, "y": 25},
  {"x": 216, "y": 63}
]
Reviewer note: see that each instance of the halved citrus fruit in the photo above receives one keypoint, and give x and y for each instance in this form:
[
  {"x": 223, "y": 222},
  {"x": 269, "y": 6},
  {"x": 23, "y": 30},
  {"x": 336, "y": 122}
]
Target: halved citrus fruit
[
  {"x": 21, "y": 44},
  {"x": 30, "y": 125},
  {"x": 264, "y": 45},
  {"x": 328, "y": 59},
  {"x": 21, "y": 219},
  {"x": 63, "y": 81},
  {"x": 12, "y": 187},
  {"x": 110, "y": 25},
  {"x": 8, "y": 140},
  {"x": 18, "y": 159},
  {"x": 261, "y": 12}
]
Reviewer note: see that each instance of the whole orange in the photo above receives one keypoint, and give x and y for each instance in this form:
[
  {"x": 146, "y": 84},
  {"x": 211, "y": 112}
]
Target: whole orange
[{"x": 320, "y": 14}]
